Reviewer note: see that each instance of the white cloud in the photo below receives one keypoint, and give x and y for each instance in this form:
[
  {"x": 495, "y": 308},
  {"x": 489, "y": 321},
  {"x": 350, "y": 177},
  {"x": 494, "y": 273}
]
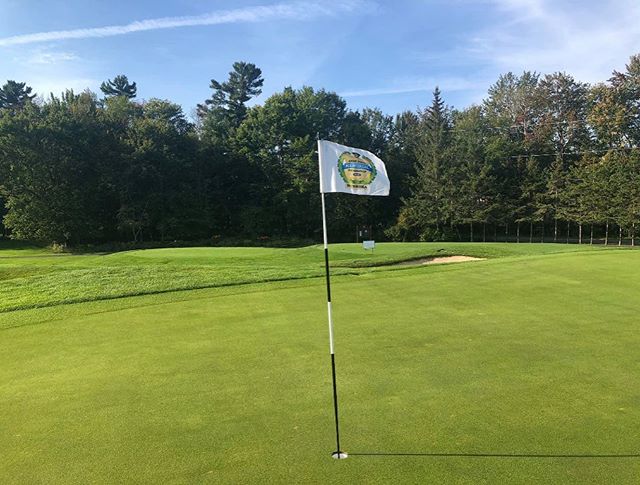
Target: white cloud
[
  {"x": 523, "y": 8},
  {"x": 585, "y": 40},
  {"x": 59, "y": 85},
  {"x": 50, "y": 57},
  {"x": 47, "y": 70},
  {"x": 282, "y": 11},
  {"x": 415, "y": 85}
]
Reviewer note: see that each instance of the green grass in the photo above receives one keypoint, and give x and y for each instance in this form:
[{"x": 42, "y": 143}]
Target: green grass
[
  {"x": 29, "y": 279},
  {"x": 10, "y": 248},
  {"x": 535, "y": 351}
]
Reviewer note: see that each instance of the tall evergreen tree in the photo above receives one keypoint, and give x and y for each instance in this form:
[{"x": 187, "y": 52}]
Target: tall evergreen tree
[
  {"x": 15, "y": 95},
  {"x": 550, "y": 205},
  {"x": 531, "y": 188},
  {"x": 230, "y": 97},
  {"x": 428, "y": 209},
  {"x": 119, "y": 86},
  {"x": 473, "y": 175}
]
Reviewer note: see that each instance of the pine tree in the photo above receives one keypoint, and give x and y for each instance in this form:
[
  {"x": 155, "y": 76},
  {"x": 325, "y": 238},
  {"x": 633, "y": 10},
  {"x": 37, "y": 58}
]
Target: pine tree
[
  {"x": 550, "y": 202},
  {"x": 472, "y": 174},
  {"x": 120, "y": 86},
  {"x": 430, "y": 204},
  {"x": 531, "y": 187},
  {"x": 15, "y": 95},
  {"x": 231, "y": 96}
]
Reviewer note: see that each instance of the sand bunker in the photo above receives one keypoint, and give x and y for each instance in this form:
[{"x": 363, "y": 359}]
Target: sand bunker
[{"x": 439, "y": 260}]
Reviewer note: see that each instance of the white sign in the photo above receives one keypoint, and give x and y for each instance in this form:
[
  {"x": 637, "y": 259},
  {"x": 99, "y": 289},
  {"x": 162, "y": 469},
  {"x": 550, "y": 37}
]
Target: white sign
[{"x": 368, "y": 244}]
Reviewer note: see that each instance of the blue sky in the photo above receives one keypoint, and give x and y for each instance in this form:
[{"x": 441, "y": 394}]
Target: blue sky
[{"x": 386, "y": 54}]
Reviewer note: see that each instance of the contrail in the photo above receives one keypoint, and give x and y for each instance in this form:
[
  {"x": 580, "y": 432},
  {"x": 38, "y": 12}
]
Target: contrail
[{"x": 281, "y": 11}]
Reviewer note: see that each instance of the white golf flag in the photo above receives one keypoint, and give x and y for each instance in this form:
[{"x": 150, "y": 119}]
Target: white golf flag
[{"x": 351, "y": 170}]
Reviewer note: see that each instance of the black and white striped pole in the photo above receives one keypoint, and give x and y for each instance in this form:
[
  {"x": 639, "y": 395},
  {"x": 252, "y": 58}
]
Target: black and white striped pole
[
  {"x": 352, "y": 171},
  {"x": 338, "y": 454}
]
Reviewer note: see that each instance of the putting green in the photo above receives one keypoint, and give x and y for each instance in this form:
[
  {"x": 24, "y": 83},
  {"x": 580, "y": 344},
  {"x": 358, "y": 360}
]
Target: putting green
[{"x": 528, "y": 355}]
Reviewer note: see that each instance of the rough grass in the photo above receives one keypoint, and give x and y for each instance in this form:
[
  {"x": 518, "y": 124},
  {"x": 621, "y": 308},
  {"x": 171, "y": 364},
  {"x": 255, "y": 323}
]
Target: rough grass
[
  {"x": 534, "y": 355},
  {"x": 29, "y": 280}
]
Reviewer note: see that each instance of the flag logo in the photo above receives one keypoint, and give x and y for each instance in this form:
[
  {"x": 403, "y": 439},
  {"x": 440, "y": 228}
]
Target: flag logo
[{"x": 356, "y": 170}]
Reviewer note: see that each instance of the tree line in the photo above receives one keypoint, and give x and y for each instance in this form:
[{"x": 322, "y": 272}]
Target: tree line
[{"x": 543, "y": 156}]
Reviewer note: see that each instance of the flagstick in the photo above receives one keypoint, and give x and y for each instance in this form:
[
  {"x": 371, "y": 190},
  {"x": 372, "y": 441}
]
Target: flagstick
[
  {"x": 338, "y": 454},
  {"x": 342, "y": 159}
]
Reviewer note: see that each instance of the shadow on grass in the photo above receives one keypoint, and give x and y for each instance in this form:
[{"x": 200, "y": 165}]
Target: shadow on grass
[{"x": 500, "y": 455}]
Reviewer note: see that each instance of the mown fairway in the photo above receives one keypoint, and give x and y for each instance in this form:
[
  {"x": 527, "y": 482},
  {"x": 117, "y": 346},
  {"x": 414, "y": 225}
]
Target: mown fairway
[{"x": 535, "y": 351}]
